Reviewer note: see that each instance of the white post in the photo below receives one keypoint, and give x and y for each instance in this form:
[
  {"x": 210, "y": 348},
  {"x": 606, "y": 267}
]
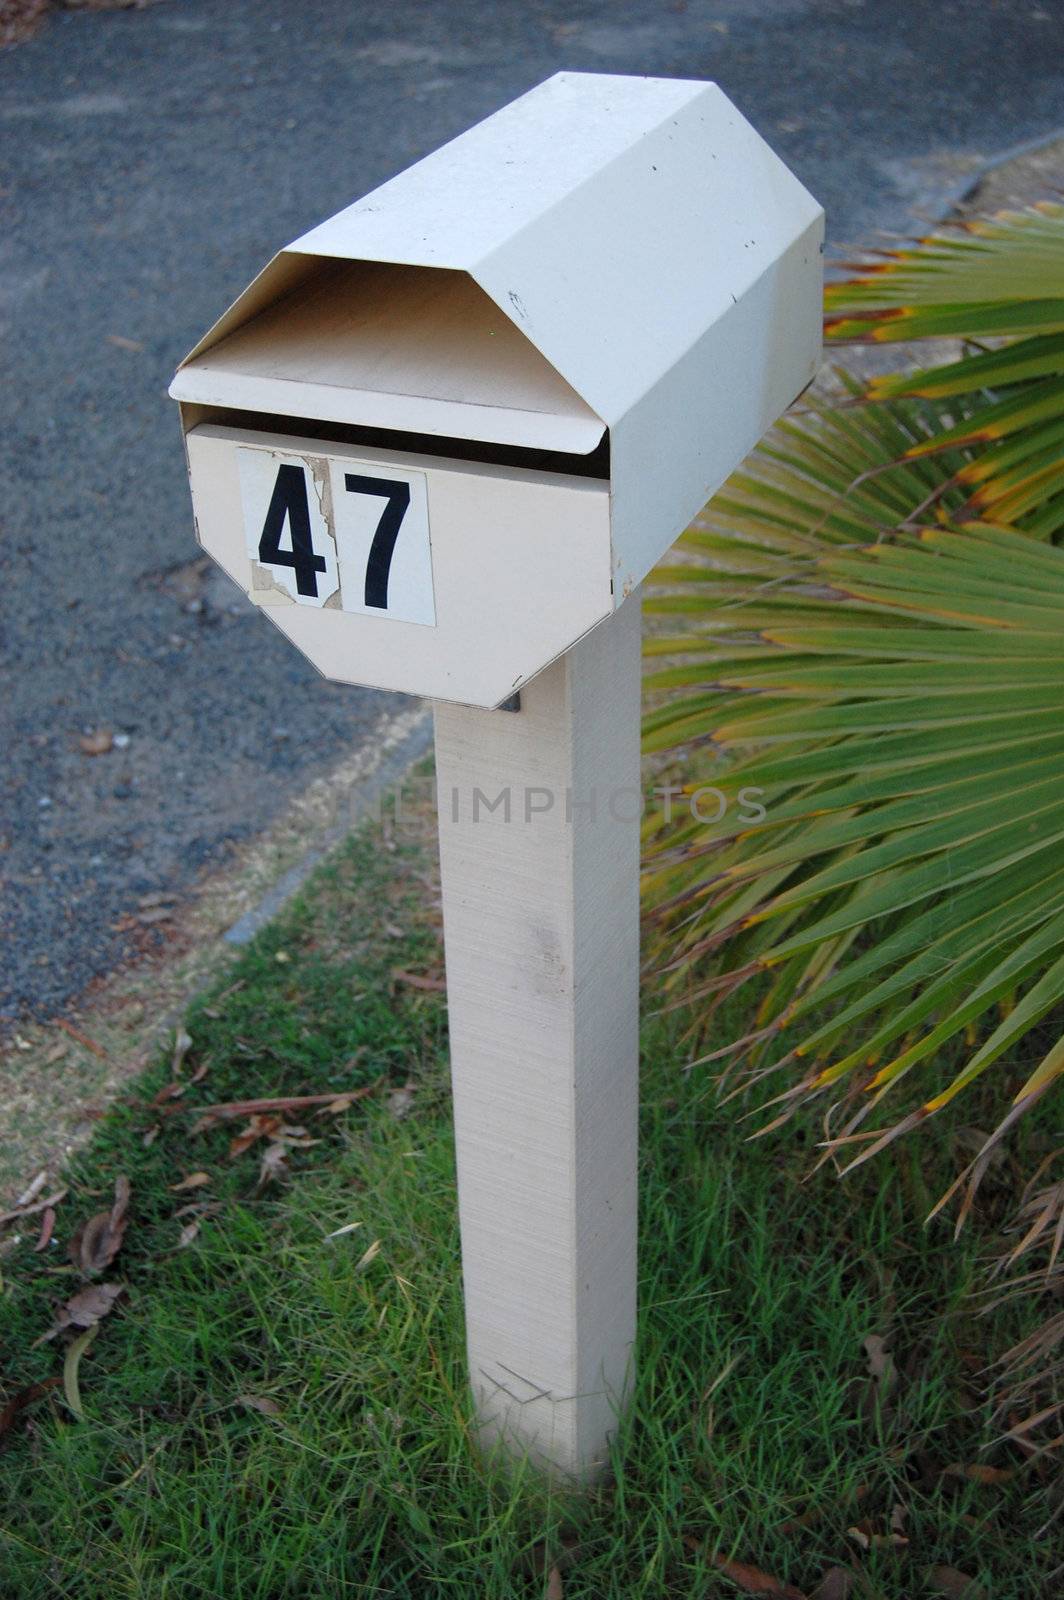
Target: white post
[{"x": 539, "y": 844}]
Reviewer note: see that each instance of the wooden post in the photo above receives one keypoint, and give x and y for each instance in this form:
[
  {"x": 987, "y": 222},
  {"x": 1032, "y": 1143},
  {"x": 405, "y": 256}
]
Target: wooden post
[{"x": 539, "y": 843}]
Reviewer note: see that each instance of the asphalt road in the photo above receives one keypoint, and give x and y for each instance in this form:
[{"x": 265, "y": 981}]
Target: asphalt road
[{"x": 150, "y": 161}]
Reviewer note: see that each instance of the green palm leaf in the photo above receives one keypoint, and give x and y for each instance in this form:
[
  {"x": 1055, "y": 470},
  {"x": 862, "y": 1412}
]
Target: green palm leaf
[{"x": 908, "y": 745}]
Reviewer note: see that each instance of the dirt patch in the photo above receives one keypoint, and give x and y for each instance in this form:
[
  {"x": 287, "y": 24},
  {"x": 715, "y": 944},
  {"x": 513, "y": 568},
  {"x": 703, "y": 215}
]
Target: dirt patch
[{"x": 56, "y": 1078}]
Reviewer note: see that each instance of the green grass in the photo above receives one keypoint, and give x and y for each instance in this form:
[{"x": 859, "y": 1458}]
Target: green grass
[{"x": 754, "y": 1408}]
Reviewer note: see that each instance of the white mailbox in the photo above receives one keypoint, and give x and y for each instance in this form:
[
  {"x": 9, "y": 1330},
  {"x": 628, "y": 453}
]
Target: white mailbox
[
  {"x": 440, "y": 440},
  {"x": 448, "y": 431}
]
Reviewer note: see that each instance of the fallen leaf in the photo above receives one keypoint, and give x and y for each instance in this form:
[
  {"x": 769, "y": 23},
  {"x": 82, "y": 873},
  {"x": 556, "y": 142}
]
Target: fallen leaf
[
  {"x": 31, "y": 1192},
  {"x": 85, "y": 1308},
  {"x": 751, "y": 1580},
  {"x": 195, "y": 1180},
  {"x": 956, "y": 1585},
  {"x": 259, "y": 1402},
  {"x": 187, "y": 1234},
  {"x": 400, "y": 1101},
  {"x": 870, "y": 1539},
  {"x": 344, "y": 1102},
  {"x": 880, "y": 1361},
  {"x": 47, "y": 1229},
  {"x": 82, "y": 1038},
  {"x": 419, "y": 980},
  {"x": 274, "y": 1165},
  {"x": 11, "y": 1412},
  {"x": 169, "y": 1091},
  {"x": 836, "y": 1584},
  {"x": 95, "y": 1244},
  {"x": 555, "y": 1587},
  {"x": 70, "y": 1369},
  {"x": 348, "y": 1227},
  {"x": 248, "y": 1108},
  {"x": 979, "y": 1472},
  {"x": 259, "y": 1127},
  {"x": 97, "y": 743},
  {"x": 182, "y": 1046},
  {"x": 120, "y": 342},
  {"x": 31, "y": 1211},
  {"x": 368, "y": 1255},
  {"x": 150, "y": 1136}
]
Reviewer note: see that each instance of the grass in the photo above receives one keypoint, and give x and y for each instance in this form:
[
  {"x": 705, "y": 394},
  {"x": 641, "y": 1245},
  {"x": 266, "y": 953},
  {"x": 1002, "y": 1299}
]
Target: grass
[{"x": 268, "y": 1413}]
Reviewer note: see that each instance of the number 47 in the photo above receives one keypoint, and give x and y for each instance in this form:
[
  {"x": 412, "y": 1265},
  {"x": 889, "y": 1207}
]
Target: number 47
[{"x": 289, "y": 503}]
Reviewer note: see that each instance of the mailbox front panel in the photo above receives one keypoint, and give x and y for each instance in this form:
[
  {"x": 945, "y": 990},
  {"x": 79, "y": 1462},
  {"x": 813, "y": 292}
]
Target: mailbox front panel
[{"x": 454, "y": 580}]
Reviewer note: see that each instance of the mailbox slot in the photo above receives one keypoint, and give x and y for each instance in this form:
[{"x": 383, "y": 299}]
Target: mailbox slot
[{"x": 596, "y": 464}]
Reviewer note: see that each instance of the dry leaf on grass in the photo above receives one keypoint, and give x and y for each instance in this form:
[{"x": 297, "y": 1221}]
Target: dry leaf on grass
[
  {"x": 71, "y": 1366},
  {"x": 194, "y": 1180},
  {"x": 870, "y": 1538},
  {"x": 10, "y": 1413},
  {"x": 751, "y": 1580},
  {"x": 33, "y": 1210},
  {"x": 274, "y": 1165},
  {"x": 95, "y": 1244},
  {"x": 82, "y": 1039},
  {"x": 348, "y": 1227},
  {"x": 44, "y": 1238},
  {"x": 187, "y": 1234},
  {"x": 84, "y": 1309},
  {"x": 297, "y": 1102},
  {"x": 419, "y": 980},
  {"x": 401, "y": 1100},
  {"x": 979, "y": 1472},
  {"x": 182, "y": 1046},
  {"x": 368, "y": 1255},
  {"x": 169, "y": 1091},
  {"x": 555, "y": 1586},
  {"x": 259, "y": 1126},
  {"x": 33, "y": 1189},
  {"x": 259, "y": 1402}
]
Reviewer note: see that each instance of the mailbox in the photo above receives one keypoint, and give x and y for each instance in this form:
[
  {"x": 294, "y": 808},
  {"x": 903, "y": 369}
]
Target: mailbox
[
  {"x": 446, "y": 432},
  {"x": 440, "y": 440}
]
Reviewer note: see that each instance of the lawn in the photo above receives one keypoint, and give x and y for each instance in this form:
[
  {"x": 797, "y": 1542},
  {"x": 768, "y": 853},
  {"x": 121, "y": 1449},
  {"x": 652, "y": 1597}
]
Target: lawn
[{"x": 275, "y": 1407}]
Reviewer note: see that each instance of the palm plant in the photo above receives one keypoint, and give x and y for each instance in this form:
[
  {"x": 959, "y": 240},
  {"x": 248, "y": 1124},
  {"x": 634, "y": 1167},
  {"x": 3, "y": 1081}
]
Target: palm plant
[{"x": 867, "y": 625}]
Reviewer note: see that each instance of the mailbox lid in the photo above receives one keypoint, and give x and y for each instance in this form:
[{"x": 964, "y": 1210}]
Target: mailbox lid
[
  {"x": 518, "y": 561},
  {"x": 411, "y": 349}
]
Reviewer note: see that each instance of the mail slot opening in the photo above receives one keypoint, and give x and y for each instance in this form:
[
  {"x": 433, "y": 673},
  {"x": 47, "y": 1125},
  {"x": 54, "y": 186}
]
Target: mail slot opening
[
  {"x": 596, "y": 464},
  {"x": 410, "y": 350}
]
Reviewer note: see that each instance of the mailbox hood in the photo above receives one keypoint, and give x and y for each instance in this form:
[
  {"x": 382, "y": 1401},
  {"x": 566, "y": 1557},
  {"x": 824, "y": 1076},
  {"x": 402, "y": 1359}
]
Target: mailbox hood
[{"x": 604, "y": 253}]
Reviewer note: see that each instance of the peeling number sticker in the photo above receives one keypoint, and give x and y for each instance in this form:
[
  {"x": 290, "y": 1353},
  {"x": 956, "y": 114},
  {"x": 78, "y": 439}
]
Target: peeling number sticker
[
  {"x": 337, "y": 535},
  {"x": 292, "y": 550}
]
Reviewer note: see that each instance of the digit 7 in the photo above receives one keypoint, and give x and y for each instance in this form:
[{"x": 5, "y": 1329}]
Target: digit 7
[{"x": 397, "y": 496}]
